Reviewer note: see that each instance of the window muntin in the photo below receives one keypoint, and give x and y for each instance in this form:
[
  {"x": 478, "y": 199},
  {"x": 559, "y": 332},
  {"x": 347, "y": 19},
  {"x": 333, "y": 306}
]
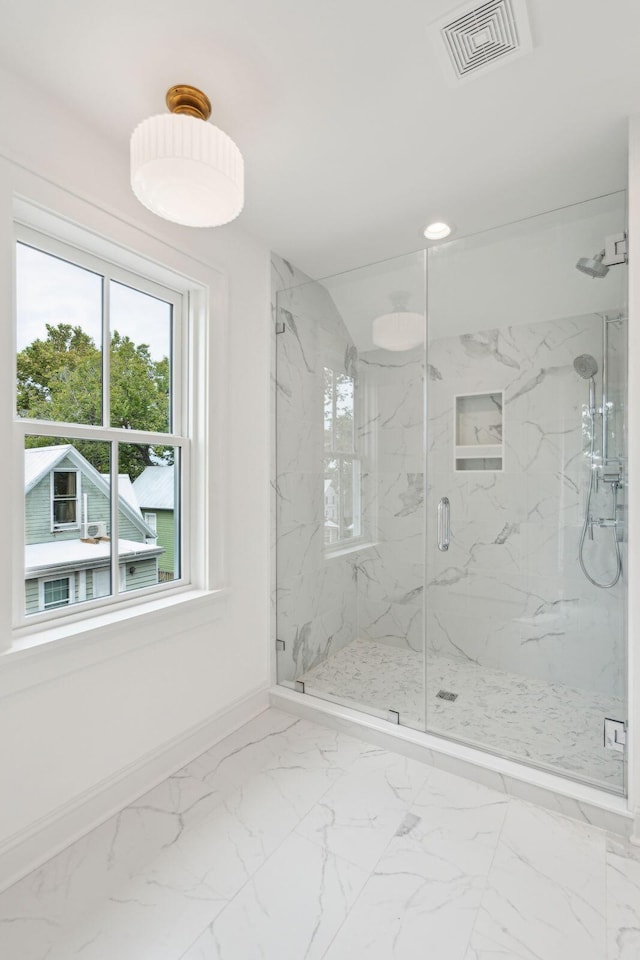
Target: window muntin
[
  {"x": 152, "y": 380},
  {"x": 342, "y": 461}
]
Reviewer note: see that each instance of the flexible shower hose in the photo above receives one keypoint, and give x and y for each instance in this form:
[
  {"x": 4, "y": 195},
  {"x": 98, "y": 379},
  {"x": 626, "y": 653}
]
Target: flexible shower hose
[{"x": 585, "y": 526}]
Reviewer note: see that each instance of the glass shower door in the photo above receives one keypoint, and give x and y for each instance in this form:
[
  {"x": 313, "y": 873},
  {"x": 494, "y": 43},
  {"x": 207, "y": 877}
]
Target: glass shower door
[
  {"x": 349, "y": 490},
  {"x": 525, "y": 656}
]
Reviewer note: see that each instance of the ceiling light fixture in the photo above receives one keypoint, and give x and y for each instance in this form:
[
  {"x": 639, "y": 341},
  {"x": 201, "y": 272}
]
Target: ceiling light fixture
[
  {"x": 401, "y": 329},
  {"x": 437, "y": 230},
  {"x": 185, "y": 169}
]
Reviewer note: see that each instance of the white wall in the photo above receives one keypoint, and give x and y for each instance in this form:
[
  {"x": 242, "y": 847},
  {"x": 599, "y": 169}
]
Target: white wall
[{"x": 71, "y": 726}]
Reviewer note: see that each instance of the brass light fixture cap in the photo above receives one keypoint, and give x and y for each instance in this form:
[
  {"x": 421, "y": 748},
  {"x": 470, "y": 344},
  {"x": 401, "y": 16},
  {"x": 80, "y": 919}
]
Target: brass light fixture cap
[{"x": 189, "y": 101}]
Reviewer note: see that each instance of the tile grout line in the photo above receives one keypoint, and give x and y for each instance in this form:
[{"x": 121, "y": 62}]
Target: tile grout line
[
  {"x": 268, "y": 858},
  {"x": 508, "y": 807}
]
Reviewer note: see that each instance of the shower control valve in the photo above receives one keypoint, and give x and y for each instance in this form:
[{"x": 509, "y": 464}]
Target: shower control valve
[{"x": 601, "y": 522}]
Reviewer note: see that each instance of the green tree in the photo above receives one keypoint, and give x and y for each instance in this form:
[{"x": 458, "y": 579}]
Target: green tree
[{"x": 60, "y": 379}]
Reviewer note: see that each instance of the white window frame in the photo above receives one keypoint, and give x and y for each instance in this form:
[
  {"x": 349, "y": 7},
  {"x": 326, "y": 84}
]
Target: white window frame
[
  {"x": 151, "y": 520},
  {"x": 179, "y": 437},
  {"x": 41, "y": 592},
  {"x": 75, "y": 524},
  {"x": 353, "y": 456}
]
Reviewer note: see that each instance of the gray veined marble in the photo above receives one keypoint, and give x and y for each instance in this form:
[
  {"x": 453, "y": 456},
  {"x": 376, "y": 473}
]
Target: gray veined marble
[
  {"x": 505, "y": 612},
  {"x": 552, "y": 725},
  {"x": 288, "y": 840}
]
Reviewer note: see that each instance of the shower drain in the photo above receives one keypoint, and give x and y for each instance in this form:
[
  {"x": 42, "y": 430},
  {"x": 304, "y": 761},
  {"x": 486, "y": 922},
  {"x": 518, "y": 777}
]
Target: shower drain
[{"x": 446, "y": 695}]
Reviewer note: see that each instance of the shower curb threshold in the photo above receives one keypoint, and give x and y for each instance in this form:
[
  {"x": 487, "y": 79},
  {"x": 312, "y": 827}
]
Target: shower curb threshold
[{"x": 564, "y": 796}]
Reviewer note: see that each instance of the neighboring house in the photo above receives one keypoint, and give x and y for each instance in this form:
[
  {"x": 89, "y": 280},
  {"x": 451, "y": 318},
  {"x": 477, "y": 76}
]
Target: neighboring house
[
  {"x": 331, "y": 528},
  {"x": 67, "y": 525},
  {"x": 330, "y": 502},
  {"x": 155, "y": 492}
]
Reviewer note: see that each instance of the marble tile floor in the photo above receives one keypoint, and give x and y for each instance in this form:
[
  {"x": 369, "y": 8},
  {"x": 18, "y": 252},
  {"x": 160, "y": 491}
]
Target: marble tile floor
[
  {"x": 291, "y": 841},
  {"x": 547, "y": 724}
]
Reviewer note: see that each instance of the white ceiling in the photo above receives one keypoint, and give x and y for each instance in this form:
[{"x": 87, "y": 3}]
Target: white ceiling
[{"x": 352, "y": 136}]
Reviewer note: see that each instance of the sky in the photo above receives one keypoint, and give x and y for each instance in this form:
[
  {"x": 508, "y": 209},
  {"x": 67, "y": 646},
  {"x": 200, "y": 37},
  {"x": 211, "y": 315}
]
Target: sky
[{"x": 50, "y": 290}]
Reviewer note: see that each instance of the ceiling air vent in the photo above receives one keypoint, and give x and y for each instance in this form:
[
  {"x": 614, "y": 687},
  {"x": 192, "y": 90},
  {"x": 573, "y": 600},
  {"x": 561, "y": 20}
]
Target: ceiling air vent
[{"x": 476, "y": 38}]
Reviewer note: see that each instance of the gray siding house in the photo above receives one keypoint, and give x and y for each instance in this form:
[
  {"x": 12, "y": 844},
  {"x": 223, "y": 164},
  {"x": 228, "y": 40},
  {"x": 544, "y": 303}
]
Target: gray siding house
[
  {"x": 155, "y": 492},
  {"x": 67, "y": 528}
]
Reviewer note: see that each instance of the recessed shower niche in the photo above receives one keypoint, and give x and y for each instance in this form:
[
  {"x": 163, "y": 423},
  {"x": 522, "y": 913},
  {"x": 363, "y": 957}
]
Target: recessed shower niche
[{"x": 479, "y": 431}]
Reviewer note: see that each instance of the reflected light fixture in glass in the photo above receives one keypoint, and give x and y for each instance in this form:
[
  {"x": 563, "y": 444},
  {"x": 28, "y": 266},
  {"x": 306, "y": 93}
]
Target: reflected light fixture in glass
[
  {"x": 402, "y": 329},
  {"x": 437, "y": 230},
  {"x": 185, "y": 169}
]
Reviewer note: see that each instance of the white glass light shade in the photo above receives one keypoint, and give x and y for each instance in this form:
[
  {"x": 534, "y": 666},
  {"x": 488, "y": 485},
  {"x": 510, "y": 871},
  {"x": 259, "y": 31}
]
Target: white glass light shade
[
  {"x": 399, "y": 331},
  {"x": 186, "y": 170}
]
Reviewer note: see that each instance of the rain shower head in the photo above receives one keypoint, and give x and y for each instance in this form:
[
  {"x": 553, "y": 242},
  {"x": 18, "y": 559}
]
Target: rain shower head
[
  {"x": 585, "y": 366},
  {"x": 593, "y": 266}
]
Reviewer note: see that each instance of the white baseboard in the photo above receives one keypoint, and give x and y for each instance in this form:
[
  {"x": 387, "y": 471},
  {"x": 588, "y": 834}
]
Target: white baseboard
[{"x": 30, "y": 848}]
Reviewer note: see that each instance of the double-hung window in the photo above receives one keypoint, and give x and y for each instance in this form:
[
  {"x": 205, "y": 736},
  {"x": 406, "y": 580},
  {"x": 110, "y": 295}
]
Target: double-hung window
[
  {"x": 101, "y": 382},
  {"x": 342, "y": 461},
  {"x": 65, "y": 487}
]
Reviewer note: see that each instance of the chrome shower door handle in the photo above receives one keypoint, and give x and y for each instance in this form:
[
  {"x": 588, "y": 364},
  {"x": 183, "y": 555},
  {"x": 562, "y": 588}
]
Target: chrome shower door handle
[{"x": 444, "y": 524}]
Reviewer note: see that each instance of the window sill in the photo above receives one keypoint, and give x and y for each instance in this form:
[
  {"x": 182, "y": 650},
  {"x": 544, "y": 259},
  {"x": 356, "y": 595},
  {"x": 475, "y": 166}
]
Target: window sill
[
  {"x": 346, "y": 550},
  {"x": 42, "y": 655}
]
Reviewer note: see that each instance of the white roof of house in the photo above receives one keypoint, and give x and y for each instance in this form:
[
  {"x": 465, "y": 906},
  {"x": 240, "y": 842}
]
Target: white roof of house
[
  {"x": 66, "y": 555},
  {"x": 126, "y": 491},
  {"x": 40, "y": 460},
  {"x": 155, "y": 488}
]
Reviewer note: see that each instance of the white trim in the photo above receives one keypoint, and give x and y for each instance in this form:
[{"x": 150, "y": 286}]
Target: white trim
[
  {"x": 151, "y": 520},
  {"x": 38, "y": 657},
  {"x": 33, "y": 199},
  {"x": 190, "y": 405},
  {"x": 30, "y": 848}
]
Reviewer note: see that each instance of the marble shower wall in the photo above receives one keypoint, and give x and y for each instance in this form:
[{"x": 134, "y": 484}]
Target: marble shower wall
[
  {"x": 314, "y": 593},
  {"x": 391, "y": 572},
  {"x": 373, "y": 589},
  {"x": 509, "y": 594}
]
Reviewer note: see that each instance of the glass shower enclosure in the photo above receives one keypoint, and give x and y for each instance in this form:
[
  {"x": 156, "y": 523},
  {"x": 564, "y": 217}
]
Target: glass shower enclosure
[{"x": 450, "y": 491}]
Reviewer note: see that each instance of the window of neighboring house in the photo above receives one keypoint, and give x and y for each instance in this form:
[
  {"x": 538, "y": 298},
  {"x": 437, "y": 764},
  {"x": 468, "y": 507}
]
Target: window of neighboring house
[
  {"x": 102, "y": 382},
  {"x": 151, "y": 520},
  {"x": 342, "y": 461},
  {"x": 65, "y": 489},
  {"x": 56, "y": 593}
]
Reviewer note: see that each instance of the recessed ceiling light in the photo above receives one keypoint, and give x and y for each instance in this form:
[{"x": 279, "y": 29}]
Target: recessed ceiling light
[{"x": 437, "y": 230}]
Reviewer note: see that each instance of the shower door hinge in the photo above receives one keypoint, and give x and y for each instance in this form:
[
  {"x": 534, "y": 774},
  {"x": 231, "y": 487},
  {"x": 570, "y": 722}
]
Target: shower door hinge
[
  {"x": 280, "y": 326},
  {"x": 615, "y": 249},
  {"x": 393, "y": 716},
  {"x": 280, "y": 645},
  {"x": 615, "y": 734},
  {"x": 299, "y": 686}
]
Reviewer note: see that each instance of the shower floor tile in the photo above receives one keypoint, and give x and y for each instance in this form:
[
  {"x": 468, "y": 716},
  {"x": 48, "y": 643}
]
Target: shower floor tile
[{"x": 547, "y": 724}]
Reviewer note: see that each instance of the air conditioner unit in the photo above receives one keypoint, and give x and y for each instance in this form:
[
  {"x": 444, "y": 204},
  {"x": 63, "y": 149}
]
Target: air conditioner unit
[{"x": 96, "y": 530}]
